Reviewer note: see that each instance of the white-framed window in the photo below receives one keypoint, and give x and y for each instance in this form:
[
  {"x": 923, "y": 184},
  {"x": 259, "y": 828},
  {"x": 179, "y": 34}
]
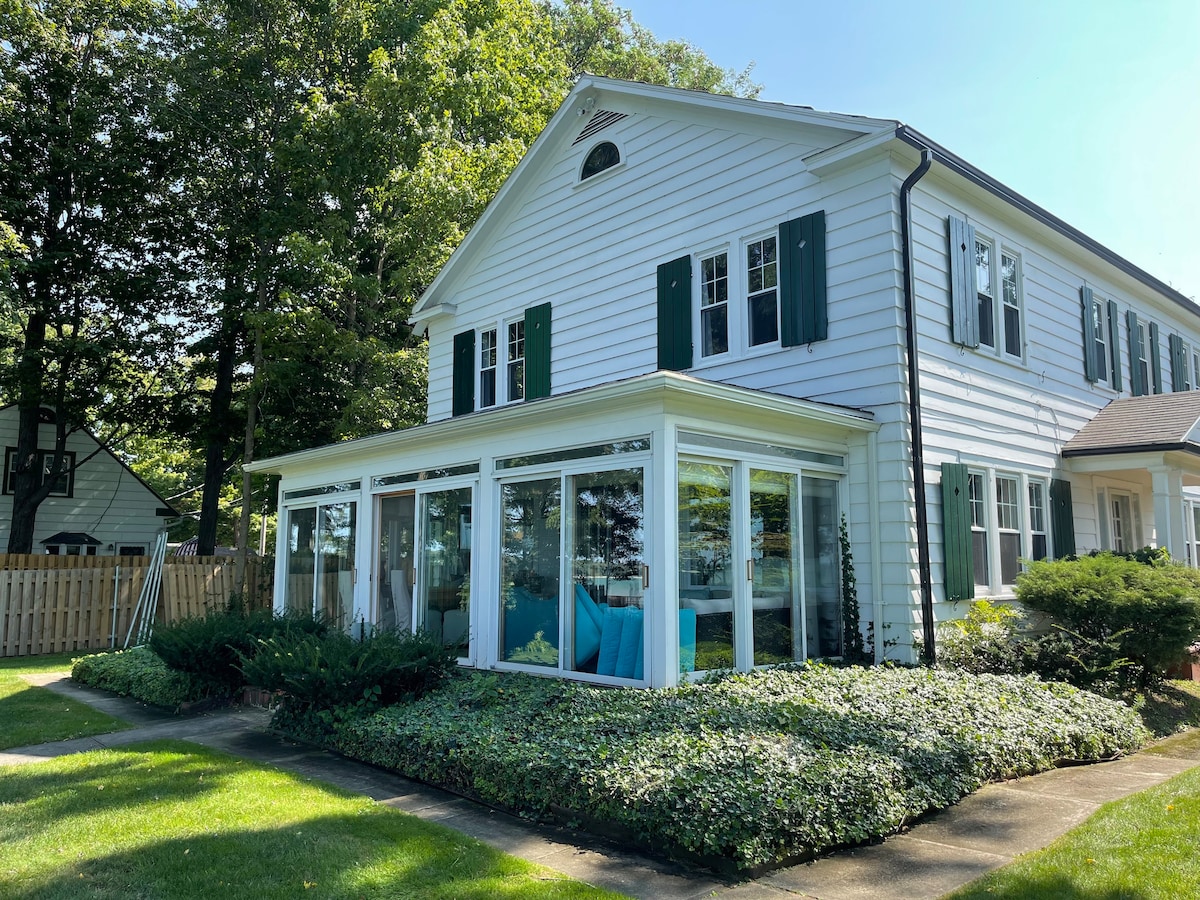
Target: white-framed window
[
  {"x": 500, "y": 364},
  {"x": 714, "y": 304},
  {"x": 1142, "y": 363},
  {"x": 998, "y": 295},
  {"x": 762, "y": 295},
  {"x": 488, "y": 356},
  {"x": 1009, "y": 524},
  {"x": 64, "y": 481},
  {"x": 1101, "y": 338},
  {"x": 977, "y": 495},
  {"x": 515, "y": 360}
]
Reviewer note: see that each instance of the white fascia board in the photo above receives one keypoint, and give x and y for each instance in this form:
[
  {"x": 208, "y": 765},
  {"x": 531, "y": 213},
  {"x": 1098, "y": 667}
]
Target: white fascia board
[
  {"x": 825, "y": 162},
  {"x": 686, "y": 394},
  {"x": 595, "y": 91}
]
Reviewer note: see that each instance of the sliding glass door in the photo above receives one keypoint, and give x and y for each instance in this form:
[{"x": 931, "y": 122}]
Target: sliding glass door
[{"x": 758, "y": 566}]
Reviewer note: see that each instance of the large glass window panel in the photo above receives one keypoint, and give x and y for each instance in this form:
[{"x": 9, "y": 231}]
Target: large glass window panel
[
  {"x": 822, "y": 569},
  {"x": 607, "y": 557},
  {"x": 1012, "y": 305},
  {"x": 975, "y": 492},
  {"x": 445, "y": 584},
  {"x": 774, "y": 545},
  {"x": 705, "y": 560},
  {"x": 335, "y": 562},
  {"x": 761, "y": 280},
  {"x": 529, "y": 571},
  {"x": 394, "y": 564},
  {"x": 301, "y": 564},
  {"x": 1037, "y": 521}
]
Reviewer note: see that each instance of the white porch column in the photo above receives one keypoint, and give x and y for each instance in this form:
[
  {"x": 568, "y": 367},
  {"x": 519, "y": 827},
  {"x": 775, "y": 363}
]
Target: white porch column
[{"x": 1169, "y": 525}]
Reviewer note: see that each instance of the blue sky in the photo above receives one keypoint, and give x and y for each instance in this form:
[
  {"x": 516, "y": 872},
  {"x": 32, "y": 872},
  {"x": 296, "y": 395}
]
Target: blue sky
[{"x": 1089, "y": 109}]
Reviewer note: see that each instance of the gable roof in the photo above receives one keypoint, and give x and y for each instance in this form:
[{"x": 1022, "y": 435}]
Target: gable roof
[
  {"x": 166, "y": 511},
  {"x": 848, "y": 134},
  {"x": 602, "y": 101},
  {"x": 1154, "y": 423}
]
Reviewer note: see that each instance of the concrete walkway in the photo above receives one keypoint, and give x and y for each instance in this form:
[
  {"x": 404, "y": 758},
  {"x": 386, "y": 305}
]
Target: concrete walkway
[{"x": 940, "y": 853}]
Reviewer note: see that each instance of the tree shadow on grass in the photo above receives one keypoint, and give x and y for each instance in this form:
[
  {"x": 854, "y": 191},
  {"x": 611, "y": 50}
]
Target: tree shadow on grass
[
  {"x": 365, "y": 852},
  {"x": 1046, "y": 887}
]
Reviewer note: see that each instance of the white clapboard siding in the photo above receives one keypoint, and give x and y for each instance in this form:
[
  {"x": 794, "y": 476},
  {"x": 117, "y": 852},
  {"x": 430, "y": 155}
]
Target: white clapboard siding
[
  {"x": 592, "y": 251},
  {"x": 108, "y": 501}
]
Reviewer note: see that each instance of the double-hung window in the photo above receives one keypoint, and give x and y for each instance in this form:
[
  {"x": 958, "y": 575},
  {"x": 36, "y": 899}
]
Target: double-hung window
[
  {"x": 987, "y": 310},
  {"x": 714, "y": 304},
  {"x": 64, "y": 480},
  {"x": 516, "y": 360},
  {"x": 762, "y": 280},
  {"x": 488, "y": 355},
  {"x": 1009, "y": 518},
  {"x": 1101, "y": 332}
]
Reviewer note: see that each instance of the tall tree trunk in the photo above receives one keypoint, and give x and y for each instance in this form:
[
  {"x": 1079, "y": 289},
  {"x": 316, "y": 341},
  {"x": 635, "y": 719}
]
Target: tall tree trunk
[
  {"x": 243, "y": 532},
  {"x": 217, "y": 437},
  {"x": 27, "y": 496}
]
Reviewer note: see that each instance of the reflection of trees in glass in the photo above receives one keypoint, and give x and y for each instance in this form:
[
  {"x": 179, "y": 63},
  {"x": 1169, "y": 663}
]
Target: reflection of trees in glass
[
  {"x": 608, "y": 526},
  {"x": 704, "y": 520},
  {"x": 530, "y": 546}
]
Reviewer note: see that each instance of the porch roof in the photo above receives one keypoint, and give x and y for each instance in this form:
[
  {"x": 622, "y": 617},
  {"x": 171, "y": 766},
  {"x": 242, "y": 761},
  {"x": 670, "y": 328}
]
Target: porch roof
[
  {"x": 1155, "y": 423},
  {"x": 681, "y": 392}
]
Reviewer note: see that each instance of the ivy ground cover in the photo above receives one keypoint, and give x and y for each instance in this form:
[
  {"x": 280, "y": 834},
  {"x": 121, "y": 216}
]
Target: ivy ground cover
[{"x": 748, "y": 771}]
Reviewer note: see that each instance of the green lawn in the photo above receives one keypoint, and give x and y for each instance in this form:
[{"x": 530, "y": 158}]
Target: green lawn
[
  {"x": 170, "y": 819},
  {"x": 1141, "y": 848},
  {"x": 33, "y": 715}
]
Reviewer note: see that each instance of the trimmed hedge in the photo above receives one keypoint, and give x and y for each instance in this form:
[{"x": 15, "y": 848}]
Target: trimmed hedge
[
  {"x": 750, "y": 770},
  {"x": 140, "y": 674}
]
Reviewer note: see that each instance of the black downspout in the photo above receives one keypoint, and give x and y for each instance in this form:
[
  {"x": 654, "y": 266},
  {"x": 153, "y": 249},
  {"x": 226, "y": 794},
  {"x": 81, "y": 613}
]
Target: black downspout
[{"x": 914, "y": 411}]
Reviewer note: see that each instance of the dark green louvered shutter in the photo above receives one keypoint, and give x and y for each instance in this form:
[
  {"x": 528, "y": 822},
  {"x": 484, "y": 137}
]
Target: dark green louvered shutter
[
  {"x": 464, "y": 373},
  {"x": 956, "y": 533},
  {"x": 1155, "y": 359},
  {"x": 1091, "y": 368},
  {"x": 1062, "y": 518},
  {"x": 1114, "y": 345},
  {"x": 537, "y": 351},
  {"x": 1179, "y": 372},
  {"x": 675, "y": 314},
  {"x": 803, "y": 314},
  {"x": 1137, "y": 377},
  {"x": 964, "y": 302}
]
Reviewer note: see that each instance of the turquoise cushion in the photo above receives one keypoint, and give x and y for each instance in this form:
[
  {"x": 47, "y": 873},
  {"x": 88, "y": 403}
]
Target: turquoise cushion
[
  {"x": 687, "y": 640},
  {"x": 587, "y": 627},
  {"x": 630, "y": 652},
  {"x": 610, "y": 640}
]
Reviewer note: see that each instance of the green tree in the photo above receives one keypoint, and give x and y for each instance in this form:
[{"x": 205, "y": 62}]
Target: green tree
[{"x": 89, "y": 280}]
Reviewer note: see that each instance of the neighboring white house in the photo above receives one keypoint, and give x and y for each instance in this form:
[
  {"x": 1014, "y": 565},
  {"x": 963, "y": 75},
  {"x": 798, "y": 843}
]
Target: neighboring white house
[
  {"x": 99, "y": 508},
  {"x": 674, "y": 353}
]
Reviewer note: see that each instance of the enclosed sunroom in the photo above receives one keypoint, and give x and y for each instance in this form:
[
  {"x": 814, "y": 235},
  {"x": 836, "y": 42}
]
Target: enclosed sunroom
[{"x": 632, "y": 533}]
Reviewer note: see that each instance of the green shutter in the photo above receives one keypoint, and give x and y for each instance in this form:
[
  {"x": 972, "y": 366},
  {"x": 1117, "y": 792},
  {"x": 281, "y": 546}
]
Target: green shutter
[
  {"x": 464, "y": 373},
  {"x": 675, "y": 314},
  {"x": 537, "y": 351},
  {"x": 1090, "y": 366},
  {"x": 802, "y": 295},
  {"x": 1062, "y": 518},
  {"x": 964, "y": 302},
  {"x": 1155, "y": 359},
  {"x": 1137, "y": 382},
  {"x": 956, "y": 533},
  {"x": 1179, "y": 372},
  {"x": 1114, "y": 344}
]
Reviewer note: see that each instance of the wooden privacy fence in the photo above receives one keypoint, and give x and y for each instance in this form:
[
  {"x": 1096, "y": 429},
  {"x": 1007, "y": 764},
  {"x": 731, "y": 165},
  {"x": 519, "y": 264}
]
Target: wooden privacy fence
[{"x": 58, "y": 604}]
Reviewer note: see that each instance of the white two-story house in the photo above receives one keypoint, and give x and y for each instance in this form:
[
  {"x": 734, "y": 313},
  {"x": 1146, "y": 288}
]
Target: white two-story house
[{"x": 693, "y": 335}]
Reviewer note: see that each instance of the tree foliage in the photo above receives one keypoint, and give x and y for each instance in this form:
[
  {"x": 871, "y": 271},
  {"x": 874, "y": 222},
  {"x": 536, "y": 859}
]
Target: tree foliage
[
  {"x": 259, "y": 192},
  {"x": 90, "y": 281}
]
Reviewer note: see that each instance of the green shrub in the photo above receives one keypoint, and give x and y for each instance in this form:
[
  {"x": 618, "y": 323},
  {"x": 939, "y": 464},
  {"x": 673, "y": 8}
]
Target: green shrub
[
  {"x": 985, "y": 641},
  {"x": 140, "y": 674},
  {"x": 750, "y": 769},
  {"x": 337, "y": 675},
  {"x": 1140, "y": 613},
  {"x": 210, "y": 648}
]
